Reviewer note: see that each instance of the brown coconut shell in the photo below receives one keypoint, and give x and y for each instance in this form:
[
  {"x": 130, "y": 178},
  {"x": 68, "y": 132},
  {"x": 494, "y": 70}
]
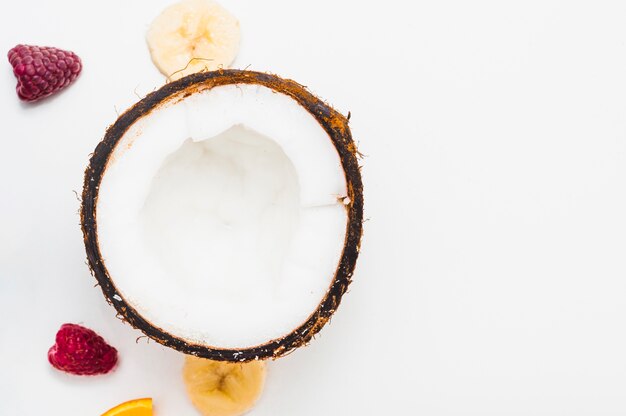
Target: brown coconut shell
[{"x": 334, "y": 123}]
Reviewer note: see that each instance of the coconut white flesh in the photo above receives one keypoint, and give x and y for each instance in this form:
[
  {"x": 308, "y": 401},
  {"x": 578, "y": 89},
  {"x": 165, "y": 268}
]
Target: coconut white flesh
[{"x": 220, "y": 218}]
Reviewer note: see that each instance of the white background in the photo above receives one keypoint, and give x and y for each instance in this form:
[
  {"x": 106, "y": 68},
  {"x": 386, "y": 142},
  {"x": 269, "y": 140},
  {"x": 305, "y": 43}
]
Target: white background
[{"x": 492, "y": 279}]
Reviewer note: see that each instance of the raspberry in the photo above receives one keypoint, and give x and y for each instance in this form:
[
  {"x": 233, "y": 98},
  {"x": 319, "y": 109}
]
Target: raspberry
[
  {"x": 42, "y": 71},
  {"x": 79, "y": 350}
]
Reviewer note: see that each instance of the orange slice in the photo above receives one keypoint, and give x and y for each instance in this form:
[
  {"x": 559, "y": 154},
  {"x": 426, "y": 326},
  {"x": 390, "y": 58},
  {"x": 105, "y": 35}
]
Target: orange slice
[{"x": 138, "y": 407}]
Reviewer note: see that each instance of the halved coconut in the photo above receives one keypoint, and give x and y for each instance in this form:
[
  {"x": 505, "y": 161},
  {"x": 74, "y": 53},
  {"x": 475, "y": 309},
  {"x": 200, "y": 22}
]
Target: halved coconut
[{"x": 222, "y": 214}]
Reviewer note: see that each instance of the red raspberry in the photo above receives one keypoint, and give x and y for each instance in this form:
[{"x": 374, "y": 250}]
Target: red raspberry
[
  {"x": 42, "y": 71},
  {"x": 79, "y": 350}
]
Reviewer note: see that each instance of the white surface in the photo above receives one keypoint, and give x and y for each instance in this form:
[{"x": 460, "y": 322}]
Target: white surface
[
  {"x": 214, "y": 220},
  {"x": 492, "y": 275}
]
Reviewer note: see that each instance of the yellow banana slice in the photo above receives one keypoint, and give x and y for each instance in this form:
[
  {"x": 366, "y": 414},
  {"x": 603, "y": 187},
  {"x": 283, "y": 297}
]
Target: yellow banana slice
[
  {"x": 219, "y": 388},
  {"x": 193, "y": 36}
]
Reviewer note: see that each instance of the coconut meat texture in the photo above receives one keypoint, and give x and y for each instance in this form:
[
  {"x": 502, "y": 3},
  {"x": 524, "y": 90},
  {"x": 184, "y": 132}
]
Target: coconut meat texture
[{"x": 221, "y": 216}]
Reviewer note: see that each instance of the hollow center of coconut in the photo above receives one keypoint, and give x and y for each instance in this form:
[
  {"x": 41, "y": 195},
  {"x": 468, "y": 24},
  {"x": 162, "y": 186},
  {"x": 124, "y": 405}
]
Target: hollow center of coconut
[{"x": 221, "y": 217}]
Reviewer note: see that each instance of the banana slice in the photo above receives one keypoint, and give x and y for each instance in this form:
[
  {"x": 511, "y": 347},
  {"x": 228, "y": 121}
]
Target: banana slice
[
  {"x": 219, "y": 388},
  {"x": 193, "y": 36}
]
